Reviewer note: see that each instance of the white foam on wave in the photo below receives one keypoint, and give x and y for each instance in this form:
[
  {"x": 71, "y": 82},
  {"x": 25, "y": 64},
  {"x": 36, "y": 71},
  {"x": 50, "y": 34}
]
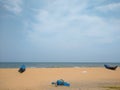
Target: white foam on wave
[
  {"x": 33, "y": 67},
  {"x": 76, "y": 67}
]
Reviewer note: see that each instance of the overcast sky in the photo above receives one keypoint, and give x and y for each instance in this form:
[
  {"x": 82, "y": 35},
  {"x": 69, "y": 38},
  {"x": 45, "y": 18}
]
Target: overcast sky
[{"x": 60, "y": 30}]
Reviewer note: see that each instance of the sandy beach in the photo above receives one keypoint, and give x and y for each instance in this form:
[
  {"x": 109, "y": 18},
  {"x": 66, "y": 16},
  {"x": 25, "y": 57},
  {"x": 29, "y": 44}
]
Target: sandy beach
[{"x": 94, "y": 78}]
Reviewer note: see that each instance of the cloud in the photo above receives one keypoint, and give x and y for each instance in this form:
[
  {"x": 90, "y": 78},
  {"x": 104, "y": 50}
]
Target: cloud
[
  {"x": 65, "y": 24},
  {"x": 61, "y": 28},
  {"x": 109, "y": 7},
  {"x": 13, "y": 6}
]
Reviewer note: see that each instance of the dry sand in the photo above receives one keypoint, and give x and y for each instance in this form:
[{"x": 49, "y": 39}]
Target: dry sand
[{"x": 41, "y": 78}]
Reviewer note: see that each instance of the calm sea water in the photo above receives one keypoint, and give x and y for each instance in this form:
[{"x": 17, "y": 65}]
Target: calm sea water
[{"x": 52, "y": 64}]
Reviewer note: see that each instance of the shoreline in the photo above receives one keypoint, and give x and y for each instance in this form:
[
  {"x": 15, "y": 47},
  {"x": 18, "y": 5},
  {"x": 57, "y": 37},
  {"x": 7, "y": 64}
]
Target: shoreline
[
  {"x": 92, "y": 78},
  {"x": 63, "y": 68},
  {"x": 54, "y": 67}
]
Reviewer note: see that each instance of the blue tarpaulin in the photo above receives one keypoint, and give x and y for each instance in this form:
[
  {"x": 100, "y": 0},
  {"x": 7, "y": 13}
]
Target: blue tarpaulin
[{"x": 22, "y": 68}]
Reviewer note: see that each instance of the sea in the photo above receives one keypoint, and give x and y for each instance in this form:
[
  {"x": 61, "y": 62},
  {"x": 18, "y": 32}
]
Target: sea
[{"x": 55, "y": 64}]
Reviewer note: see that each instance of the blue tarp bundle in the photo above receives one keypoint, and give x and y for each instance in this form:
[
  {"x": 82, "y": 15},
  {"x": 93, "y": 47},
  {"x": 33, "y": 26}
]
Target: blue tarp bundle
[
  {"x": 61, "y": 83},
  {"x": 22, "y": 68}
]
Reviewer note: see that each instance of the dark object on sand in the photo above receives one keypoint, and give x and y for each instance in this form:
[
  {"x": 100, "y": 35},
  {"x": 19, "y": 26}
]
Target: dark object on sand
[
  {"x": 110, "y": 67},
  {"x": 22, "y": 69},
  {"x": 61, "y": 83}
]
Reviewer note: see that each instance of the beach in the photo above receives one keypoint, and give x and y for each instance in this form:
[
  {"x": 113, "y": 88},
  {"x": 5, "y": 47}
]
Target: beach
[{"x": 90, "y": 78}]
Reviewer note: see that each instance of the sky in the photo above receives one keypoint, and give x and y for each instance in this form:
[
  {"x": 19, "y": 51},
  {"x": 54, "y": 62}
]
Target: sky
[{"x": 59, "y": 30}]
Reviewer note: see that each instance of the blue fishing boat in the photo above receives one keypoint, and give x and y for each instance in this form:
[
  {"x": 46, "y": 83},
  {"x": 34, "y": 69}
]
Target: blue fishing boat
[{"x": 110, "y": 67}]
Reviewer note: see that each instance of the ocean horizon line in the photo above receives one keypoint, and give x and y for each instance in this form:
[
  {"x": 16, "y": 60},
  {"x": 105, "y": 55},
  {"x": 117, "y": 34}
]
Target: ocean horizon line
[
  {"x": 51, "y": 62},
  {"x": 55, "y": 64}
]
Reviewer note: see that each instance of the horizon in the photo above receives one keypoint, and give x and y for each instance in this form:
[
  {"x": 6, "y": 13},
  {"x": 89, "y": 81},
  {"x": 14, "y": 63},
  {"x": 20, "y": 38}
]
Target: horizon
[{"x": 52, "y": 62}]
